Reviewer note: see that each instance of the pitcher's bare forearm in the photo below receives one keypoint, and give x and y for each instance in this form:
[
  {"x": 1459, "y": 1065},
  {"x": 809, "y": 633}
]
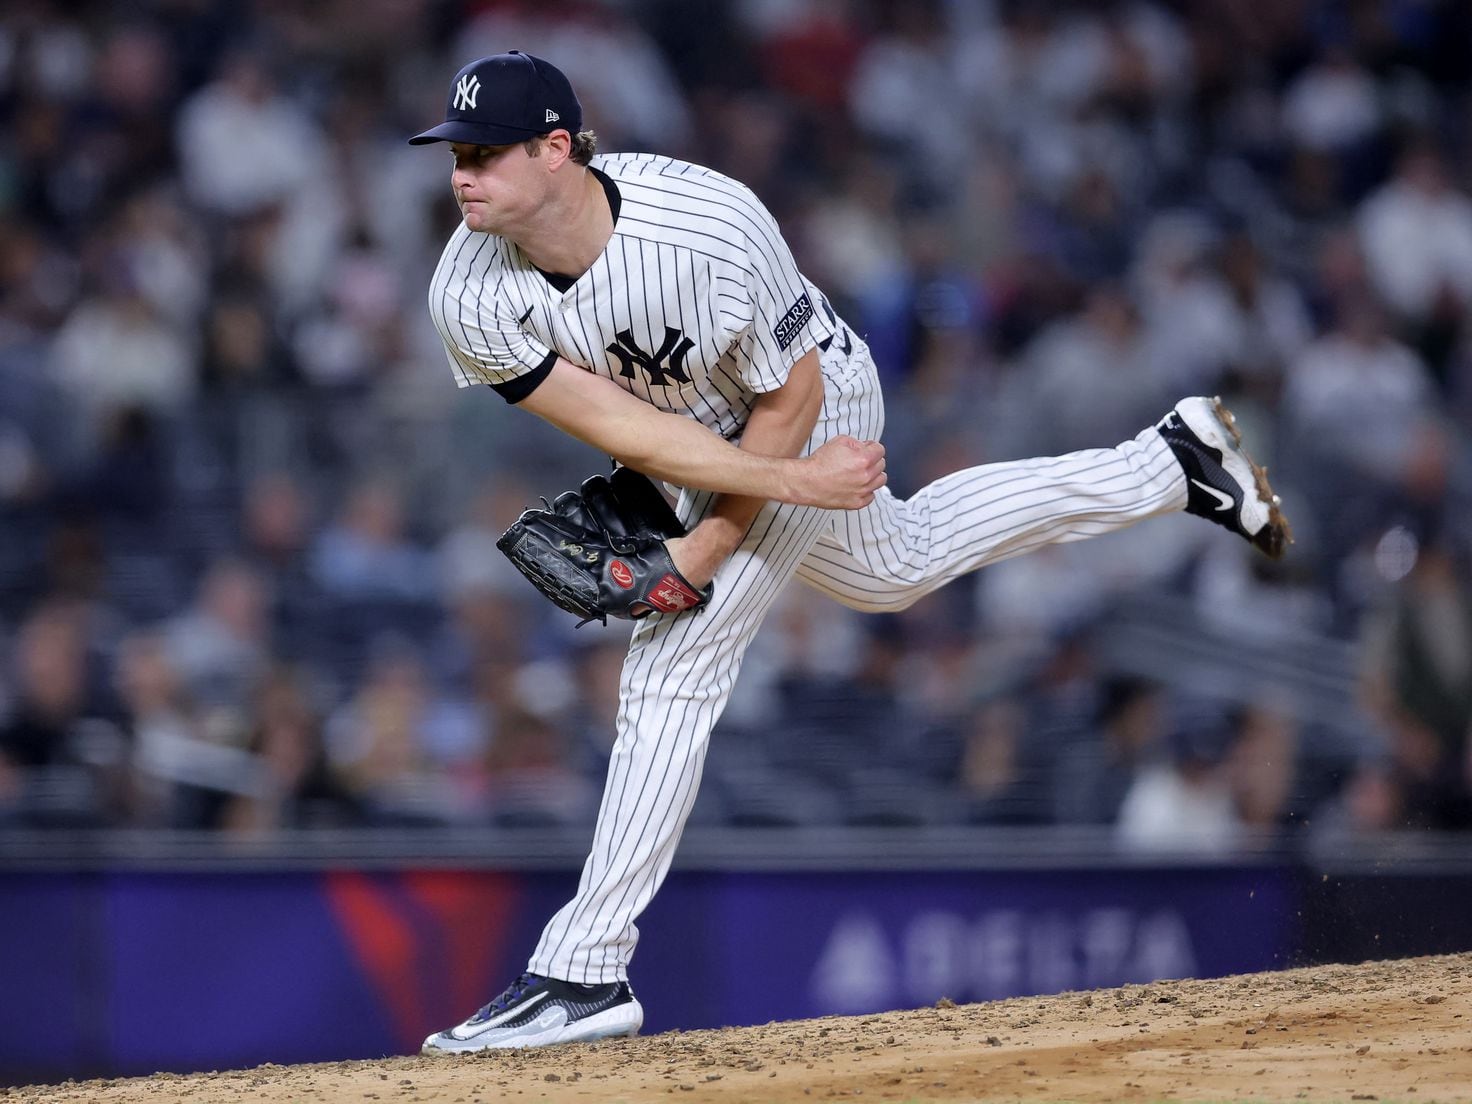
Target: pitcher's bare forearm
[
  {"x": 677, "y": 449},
  {"x": 780, "y": 424}
]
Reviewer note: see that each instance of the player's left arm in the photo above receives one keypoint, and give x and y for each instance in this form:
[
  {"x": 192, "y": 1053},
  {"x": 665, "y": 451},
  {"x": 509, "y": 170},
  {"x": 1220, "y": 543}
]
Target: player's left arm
[{"x": 780, "y": 424}]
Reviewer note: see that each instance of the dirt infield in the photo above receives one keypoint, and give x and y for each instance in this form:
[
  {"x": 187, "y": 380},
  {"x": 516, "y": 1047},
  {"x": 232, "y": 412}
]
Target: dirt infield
[{"x": 1384, "y": 1031}]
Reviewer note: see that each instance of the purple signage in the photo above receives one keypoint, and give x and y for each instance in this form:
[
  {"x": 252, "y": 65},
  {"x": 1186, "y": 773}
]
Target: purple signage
[
  {"x": 131, "y": 972},
  {"x": 845, "y": 943}
]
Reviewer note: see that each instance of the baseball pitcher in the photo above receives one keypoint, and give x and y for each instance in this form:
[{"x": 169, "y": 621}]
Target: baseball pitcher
[{"x": 652, "y": 309}]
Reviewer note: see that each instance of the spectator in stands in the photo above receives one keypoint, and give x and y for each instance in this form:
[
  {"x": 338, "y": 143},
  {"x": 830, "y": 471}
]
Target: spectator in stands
[
  {"x": 809, "y": 54},
  {"x": 220, "y": 647},
  {"x": 1262, "y": 765},
  {"x": 858, "y": 710},
  {"x": 52, "y": 728},
  {"x": 529, "y": 779},
  {"x": 1183, "y": 802},
  {"x": 115, "y": 350},
  {"x": 185, "y": 768},
  {"x": 300, "y": 790},
  {"x": 936, "y": 683},
  {"x": 157, "y": 244},
  {"x": 275, "y": 534},
  {"x": 1089, "y": 377},
  {"x": 127, "y": 483},
  {"x": 1268, "y": 322},
  {"x": 904, "y": 74},
  {"x": 1284, "y": 602},
  {"x": 592, "y": 716},
  {"x": 399, "y": 747},
  {"x": 1028, "y": 70},
  {"x": 1372, "y": 800},
  {"x": 1416, "y": 232},
  {"x": 468, "y": 557},
  {"x": 125, "y": 111},
  {"x": 38, "y": 282},
  {"x": 1336, "y": 274},
  {"x": 482, "y": 626},
  {"x": 246, "y": 149},
  {"x": 52, "y": 178},
  {"x": 347, "y": 339},
  {"x": 1184, "y": 310},
  {"x": 365, "y": 555},
  {"x": 1417, "y": 678},
  {"x": 1095, "y": 775},
  {"x": 1000, "y": 785},
  {"x": 923, "y": 318},
  {"x": 857, "y": 245},
  {"x": 1333, "y": 104},
  {"x": 1360, "y": 412},
  {"x": 242, "y": 354},
  {"x": 1094, "y": 228}
]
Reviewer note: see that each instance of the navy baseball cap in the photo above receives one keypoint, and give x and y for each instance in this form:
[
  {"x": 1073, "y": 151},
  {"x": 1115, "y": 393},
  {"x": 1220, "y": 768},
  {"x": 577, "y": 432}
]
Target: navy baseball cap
[{"x": 504, "y": 99}]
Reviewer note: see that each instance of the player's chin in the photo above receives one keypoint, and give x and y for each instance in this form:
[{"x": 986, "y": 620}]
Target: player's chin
[{"x": 477, "y": 217}]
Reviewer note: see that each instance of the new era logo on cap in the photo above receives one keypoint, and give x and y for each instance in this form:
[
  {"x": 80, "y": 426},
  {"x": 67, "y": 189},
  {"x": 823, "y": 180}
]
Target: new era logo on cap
[{"x": 504, "y": 99}]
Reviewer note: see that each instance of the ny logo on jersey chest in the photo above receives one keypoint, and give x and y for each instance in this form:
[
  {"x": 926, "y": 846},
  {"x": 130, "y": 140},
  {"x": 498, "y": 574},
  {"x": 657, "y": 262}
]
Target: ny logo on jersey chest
[{"x": 667, "y": 361}]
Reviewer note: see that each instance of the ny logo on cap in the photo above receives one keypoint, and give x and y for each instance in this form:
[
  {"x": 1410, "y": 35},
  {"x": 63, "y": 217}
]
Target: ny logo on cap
[{"x": 466, "y": 91}]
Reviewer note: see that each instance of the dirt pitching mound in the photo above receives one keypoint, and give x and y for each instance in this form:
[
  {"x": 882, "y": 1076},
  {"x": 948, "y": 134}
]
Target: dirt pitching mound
[{"x": 1382, "y": 1031}]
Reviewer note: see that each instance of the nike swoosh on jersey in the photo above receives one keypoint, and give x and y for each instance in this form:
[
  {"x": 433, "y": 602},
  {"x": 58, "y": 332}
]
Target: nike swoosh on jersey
[
  {"x": 495, "y": 1021},
  {"x": 1224, "y": 500}
]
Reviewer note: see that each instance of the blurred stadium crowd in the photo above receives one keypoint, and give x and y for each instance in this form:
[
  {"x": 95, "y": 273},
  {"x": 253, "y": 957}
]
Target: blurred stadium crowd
[{"x": 247, "y": 572}]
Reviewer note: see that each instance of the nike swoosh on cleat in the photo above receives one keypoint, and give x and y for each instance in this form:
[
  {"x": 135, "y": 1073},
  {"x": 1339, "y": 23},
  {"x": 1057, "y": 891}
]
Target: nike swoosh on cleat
[
  {"x": 555, "y": 1016},
  {"x": 1222, "y": 497},
  {"x": 495, "y": 1021}
]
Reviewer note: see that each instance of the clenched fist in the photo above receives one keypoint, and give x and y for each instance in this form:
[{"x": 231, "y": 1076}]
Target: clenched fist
[{"x": 843, "y": 474}]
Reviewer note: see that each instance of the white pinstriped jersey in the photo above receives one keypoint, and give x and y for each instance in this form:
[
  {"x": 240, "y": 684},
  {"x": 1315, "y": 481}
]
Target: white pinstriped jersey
[{"x": 695, "y": 305}]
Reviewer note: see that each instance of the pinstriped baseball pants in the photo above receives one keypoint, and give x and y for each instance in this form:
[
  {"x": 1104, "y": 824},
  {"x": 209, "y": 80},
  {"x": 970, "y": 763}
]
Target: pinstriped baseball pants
[{"x": 680, "y": 669}]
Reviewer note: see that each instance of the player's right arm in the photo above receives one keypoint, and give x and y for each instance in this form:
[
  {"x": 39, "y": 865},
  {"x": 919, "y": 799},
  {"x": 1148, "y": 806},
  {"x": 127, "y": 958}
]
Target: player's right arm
[
  {"x": 486, "y": 344},
  {"x": 843, "y": 474}
]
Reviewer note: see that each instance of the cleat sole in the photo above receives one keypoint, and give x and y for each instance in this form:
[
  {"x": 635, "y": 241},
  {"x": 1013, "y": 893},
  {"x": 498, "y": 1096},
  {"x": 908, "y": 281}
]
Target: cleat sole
[{"x": 1273, "y": 538}]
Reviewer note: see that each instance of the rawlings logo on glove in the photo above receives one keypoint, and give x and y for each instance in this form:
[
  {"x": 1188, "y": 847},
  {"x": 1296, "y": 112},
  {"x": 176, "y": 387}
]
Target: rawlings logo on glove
[{"x": 599, "y": 552}]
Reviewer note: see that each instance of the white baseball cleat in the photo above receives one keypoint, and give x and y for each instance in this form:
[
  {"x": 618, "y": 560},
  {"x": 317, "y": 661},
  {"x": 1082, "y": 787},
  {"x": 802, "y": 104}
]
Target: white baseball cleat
[
  {"x": 1223, "y": 482},
  {"x": 536, "y": 1011}
]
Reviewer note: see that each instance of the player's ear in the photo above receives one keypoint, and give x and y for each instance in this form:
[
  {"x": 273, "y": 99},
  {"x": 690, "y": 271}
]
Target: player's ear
[{"x": 557, "y": 148}]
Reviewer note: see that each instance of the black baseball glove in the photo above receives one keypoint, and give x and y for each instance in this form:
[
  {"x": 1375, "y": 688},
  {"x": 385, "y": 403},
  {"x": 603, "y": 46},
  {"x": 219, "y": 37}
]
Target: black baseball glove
[{"x": 599, "y": 552}]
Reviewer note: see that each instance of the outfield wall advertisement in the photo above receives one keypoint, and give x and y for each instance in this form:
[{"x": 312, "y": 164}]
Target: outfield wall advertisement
[{"x": 129, "y": 972}]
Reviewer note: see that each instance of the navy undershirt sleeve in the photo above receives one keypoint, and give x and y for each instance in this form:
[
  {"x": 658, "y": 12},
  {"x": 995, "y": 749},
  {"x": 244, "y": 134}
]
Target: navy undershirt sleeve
[{"x": 514, "y": 390}]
